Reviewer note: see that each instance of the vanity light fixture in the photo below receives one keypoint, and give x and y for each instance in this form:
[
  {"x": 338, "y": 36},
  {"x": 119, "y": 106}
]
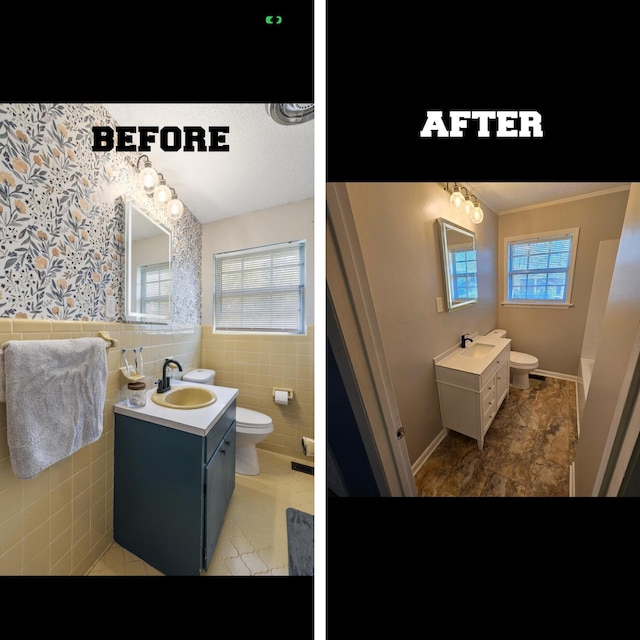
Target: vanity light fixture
[
  {"x": 457, "y": 198},
  {"x": 175, "y": 207},
  {"x": 477, "y": 214},
  {"x": 155, "y": 188},
  {"x": 148, "y": 176},
  {"x": 468, "y": 205},
  {"x": 466, "y": 202},
  {"x": 162, "y": 193}
]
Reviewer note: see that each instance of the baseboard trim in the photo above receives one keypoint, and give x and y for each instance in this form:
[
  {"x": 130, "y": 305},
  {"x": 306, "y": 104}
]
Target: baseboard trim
[
  {"x": 415, "y": 467},
  {"x": 554, "y": 374}
]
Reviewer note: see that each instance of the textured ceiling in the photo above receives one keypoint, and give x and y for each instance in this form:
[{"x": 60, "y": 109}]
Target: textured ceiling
[{"x": 267, "y": 165}]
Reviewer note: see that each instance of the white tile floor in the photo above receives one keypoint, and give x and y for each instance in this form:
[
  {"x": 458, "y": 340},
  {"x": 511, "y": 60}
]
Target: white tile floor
[{"x": 253, "y": 539}]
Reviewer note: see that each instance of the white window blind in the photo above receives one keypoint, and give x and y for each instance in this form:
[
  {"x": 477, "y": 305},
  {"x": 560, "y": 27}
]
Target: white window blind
[
  {"x": 155, "y": 289},
  {"x": 260, "y": 289},
  {"x": 540, "y": 268}
]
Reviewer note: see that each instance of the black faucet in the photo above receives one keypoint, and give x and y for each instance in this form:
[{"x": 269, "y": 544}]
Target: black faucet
[
  {"x": 464, "y": 339},
  {"x": 164, "y": 384}
]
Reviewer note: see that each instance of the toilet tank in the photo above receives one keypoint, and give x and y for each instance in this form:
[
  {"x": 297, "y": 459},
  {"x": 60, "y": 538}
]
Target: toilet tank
[
  {"x": 496, "y": 333},
  {"x": 200, "y": 376}
]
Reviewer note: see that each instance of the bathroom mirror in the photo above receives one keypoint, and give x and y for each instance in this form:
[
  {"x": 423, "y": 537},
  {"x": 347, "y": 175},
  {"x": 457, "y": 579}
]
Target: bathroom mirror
[
  {"x": 459, "y": 264},
  {"x": 147, "y": 267}
]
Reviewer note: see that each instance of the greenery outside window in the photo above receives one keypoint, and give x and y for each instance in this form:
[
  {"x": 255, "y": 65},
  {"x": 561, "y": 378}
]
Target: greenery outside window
[
  {"x": 261, "y": 289},
  {"x": 539, "y": 268}
]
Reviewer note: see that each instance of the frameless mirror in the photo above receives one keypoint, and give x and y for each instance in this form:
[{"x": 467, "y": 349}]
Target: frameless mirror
[
  {"x": 459, "y": 264},
  {"x": 147, "y": 267}
]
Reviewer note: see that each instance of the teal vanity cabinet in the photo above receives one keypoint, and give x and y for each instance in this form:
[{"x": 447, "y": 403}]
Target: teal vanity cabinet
[{"x": 172, "y": 488}]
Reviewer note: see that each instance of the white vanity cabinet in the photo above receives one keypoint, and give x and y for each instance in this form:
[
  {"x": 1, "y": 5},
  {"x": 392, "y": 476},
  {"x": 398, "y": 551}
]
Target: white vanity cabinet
[{"x": 470, "y": 395}]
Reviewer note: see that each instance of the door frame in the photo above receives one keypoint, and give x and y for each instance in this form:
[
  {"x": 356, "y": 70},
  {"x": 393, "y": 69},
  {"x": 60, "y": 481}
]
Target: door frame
[{"x": 354, "y": 333}]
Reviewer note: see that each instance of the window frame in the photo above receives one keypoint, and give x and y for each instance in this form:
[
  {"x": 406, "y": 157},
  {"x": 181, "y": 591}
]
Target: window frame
[
  {"x": 144, "y": 299},
  {"x": 301, "y": 287},
  {"x": 574, "y": 232}
]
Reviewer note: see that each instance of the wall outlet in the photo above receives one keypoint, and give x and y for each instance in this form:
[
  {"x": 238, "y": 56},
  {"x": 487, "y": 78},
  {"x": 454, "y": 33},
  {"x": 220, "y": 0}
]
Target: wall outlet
[{"x": 439, "y": 305}]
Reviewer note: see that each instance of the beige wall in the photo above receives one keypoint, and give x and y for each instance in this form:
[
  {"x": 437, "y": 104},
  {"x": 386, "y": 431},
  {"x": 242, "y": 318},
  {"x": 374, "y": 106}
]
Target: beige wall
[
  {"x": 60, "y": 522},
  {"x": 554, "y": 336},
  {"x": 397, "y": 230},
  {"x": 254, "y": 364},
  {"x": 293, "y": 221},
  {"x": 614, "y": 358}
]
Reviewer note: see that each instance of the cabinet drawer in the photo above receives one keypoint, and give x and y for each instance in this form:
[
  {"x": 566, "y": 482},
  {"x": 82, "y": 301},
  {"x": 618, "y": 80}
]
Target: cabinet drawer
[
  {"x": 489, "y": 402},
  {"x": 489, "y": 388},
  {"x": 503, "y": 358},
  {"x": 488, "y": 375}
]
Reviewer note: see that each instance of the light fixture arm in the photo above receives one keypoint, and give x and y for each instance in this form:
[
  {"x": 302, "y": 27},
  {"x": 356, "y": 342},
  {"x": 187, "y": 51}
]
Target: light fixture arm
[{"x": 147, "y": 162}]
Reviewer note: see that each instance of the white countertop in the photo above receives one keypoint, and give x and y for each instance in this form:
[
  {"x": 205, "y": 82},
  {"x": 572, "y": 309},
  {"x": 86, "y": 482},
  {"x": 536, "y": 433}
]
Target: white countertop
[
  {"x": 458, "y": 358},
  {"x": 196, "y": 421}
]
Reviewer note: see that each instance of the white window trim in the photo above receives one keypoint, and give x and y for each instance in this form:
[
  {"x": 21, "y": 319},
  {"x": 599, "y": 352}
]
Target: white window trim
[{"x": 541, "y": 304}]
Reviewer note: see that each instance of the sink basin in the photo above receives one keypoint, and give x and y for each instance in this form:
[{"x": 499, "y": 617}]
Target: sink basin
[
  {"x": 185, "y": 398},
  {"x": 477, "y": 350}
]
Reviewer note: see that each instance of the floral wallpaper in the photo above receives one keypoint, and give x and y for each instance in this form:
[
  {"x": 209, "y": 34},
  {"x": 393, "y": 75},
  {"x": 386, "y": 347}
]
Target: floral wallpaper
[{"x": 61, "y": 231}]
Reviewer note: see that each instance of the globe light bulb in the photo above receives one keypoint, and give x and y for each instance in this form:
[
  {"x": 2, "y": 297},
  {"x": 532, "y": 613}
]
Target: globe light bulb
[
  {"x": 175, "y": 208},
  {"x": 468, "y": 205},
  {"x": 148, "y": 178},
  {"x": 456, "y": 198},
  {"x": 477, "y": 215},
  {"x": 162, "y": 194}
]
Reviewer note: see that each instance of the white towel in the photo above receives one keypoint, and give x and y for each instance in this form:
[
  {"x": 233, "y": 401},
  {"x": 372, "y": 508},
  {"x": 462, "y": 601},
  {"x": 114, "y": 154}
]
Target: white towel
[{"x": 55, "y": 392}]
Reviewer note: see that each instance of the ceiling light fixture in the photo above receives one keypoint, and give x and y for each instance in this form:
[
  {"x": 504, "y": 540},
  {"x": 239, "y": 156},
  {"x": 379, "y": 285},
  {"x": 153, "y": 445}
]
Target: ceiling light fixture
[{"x": 466, "y": 202}]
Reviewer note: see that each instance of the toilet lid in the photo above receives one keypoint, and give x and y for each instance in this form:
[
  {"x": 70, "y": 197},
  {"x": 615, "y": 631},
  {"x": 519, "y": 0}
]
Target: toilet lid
[
  {"x": 250, "y": 418},
  {"x": 200, "y": 376},
  {"x": 522, "y": 358}
]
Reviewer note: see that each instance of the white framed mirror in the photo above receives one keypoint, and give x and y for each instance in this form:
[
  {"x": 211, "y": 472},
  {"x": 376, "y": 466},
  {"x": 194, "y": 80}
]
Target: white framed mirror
[
  {"x": 459, "y": 264},
  {"x": 148, "y": 273}
]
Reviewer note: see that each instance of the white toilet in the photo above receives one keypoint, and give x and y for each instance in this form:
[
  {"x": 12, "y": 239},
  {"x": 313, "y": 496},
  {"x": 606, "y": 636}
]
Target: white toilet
[
  {"x": 251, "y": 427},
  {"x": 520, "y": 364}
]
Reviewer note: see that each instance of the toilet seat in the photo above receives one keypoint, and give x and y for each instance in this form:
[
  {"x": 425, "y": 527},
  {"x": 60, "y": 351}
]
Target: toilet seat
[
  {"x": 250, "y": 419},
  {"x": 522, "y": 359}
]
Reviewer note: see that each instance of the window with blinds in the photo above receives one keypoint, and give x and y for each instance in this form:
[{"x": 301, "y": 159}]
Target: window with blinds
[
  {"x": 260, "y": 289},
  {"x": 155, "y": 289},
  {"x": 540, "y": 267}
]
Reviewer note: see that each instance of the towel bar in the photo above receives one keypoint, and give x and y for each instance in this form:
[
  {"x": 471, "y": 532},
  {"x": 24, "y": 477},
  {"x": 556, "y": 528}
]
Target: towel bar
[{"x": 105, "y": 336}]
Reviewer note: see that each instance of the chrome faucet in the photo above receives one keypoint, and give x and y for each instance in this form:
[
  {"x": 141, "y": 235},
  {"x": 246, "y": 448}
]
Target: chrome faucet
[
  {"x": 164, "y": 384},
  {"x": 464, "y": 339}
]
